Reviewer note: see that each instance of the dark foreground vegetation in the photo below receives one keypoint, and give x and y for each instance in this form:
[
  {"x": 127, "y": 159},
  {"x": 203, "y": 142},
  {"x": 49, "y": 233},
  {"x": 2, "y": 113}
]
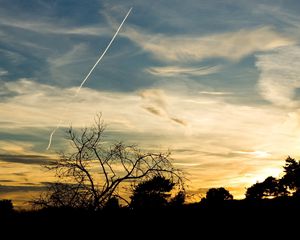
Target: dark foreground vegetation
[{"x": 269, "y": 216}]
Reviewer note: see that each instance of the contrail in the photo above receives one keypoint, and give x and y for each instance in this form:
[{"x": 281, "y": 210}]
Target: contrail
[
  {"x": 90, "y": 72},
  {"x": 52, "y": 133},
  {"x": 102, "y": 55}
]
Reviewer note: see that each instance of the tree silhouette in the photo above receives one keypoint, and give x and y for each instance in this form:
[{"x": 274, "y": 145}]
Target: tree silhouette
[
  {"x": 270, "y": 187},
  {"x": 112, "y": 204},
  {"x": 291, "y": 177},
  {"x": 217, "y": 195},
  {"x": 178, "y": 200},
  {"x": 151, "y": 194},
  {"x": 94, "y": 173},
  {"x": 6, "y": 207},
  {"x": 65, "y": 195},
  {"x": 255, "y": 192}
]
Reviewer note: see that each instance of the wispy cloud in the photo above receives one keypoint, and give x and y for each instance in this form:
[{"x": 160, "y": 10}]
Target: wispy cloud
[
  {"x": 8, "y": 189},
  {"x": 25, "y": 159},
  {"x": 6, "y": 181},
  {"x": 74, "y": 55},
  {"x": 154, "y": 96},
  {"x": 48, "y": 26},
  {"x": 215, "y": 93},
  {"x": 171, "y": 71},
  {"x": 258, "y": 154},
  {"x": 179, "y": 121},
  {"x": 35, "y": 104},
  {"x": 230, "y": 45},
  {"x": 12, "y": 56},
  {"x": 3, "y": 72},
  {"x": 155, "y": 102},
  {"x": 280, "y": 75},
  {"x": 288, "y": 16},
  {"x": 154, "y": 110}
]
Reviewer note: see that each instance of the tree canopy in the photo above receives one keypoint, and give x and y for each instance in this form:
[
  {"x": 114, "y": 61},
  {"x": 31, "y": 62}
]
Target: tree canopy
[
  {"x": 287, "y": 185},
  {"x": 217, "y": 195},
  {"x": 291, "y": 177},
  {"x": 151, "y": 194},
  {"x": 269, "y": 188}
]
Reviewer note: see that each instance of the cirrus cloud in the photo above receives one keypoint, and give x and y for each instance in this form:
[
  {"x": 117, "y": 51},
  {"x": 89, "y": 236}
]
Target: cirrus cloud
[
  {"x": 229, "y": 45},
  {"x": 171, "y": 71},
  {"x": 280, "y": 75}
]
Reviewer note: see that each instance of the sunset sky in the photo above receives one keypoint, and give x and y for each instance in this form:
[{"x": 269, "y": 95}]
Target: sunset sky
[{"x": 215, "y": 81}]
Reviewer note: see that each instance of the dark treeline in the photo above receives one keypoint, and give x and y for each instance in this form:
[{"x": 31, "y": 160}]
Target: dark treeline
[{"x": 271, "y": 201}]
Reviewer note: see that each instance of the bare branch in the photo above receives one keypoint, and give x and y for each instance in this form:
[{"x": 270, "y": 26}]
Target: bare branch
[{"x": 91, "y": 174}]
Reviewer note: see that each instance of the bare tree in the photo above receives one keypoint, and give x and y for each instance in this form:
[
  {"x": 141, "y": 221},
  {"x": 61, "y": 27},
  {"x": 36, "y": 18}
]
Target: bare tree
[{"x": 94, "y": 172}]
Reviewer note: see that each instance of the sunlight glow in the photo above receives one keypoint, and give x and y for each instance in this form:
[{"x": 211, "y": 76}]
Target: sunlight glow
[{"x": 258, "y": 154}]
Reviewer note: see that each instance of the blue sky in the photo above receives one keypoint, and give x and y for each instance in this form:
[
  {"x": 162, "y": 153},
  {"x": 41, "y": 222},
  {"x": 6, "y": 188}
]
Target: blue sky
[{"x": 214, "y": 81}]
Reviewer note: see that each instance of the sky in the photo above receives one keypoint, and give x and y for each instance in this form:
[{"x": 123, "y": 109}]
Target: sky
[{"x": 214, "y": 81}]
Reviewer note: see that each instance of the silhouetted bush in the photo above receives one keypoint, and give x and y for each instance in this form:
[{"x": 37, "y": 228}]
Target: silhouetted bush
[
  {"x": 151, "y": 194},
  {"x": 6, "y": 207},
  {"x": 216, "y": 196}
]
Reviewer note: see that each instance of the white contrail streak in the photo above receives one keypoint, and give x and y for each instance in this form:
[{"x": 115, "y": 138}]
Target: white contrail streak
[
  {"x": 90, "y": 72},
  {"x": 102, "y": 55},
  {"x": 52, "y": 133}
]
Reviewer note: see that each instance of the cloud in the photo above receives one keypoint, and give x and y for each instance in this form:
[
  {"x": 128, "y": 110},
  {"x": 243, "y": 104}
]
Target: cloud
[
  {"x": 12, "y": 56},
  {"x": 281, "y": 14},
  {"x": 72, "y": 56},
  {"x": 171, "y": 71},
  {"x": 8, "y": 189},
  {"x": 5, "y": 92},
  {"x": 48, "y": 26},
  {"x": 186, "y": 164},
  {"x": 179, "y": 121},
  {"x": 215, "y": 93},
  {"x": 156, "y": 103},
  {"x": 155, "y": 96},
  {"x": 153, "y": 110},
  {"x": 3, "y": 72},
  {"x": 230, "y": 45},
  {"x": 25, "y": 159},
  {"x": 280, "y": 75},
  {"x": 13, "y": 147},
  {"x": 6, "y": 181},
  {"x": 258, "y": 154},
  {"x": 41, "y": 106}
]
